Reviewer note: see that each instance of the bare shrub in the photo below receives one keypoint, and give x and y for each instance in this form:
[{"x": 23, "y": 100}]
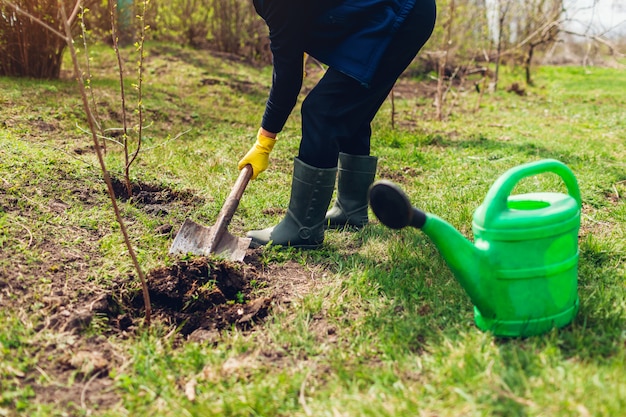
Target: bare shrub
[
  {"x": 181, "y": 21},
  {"x": 27, "y": 48},
  {"x": 230, "y": 26},
  {"x": 63, "y": 30},
  {"x": 228, "y": 21}
]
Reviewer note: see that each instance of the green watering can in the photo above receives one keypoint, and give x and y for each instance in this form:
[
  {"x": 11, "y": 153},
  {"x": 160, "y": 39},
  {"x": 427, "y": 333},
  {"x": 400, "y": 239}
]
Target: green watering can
[{"x": 521, "y": 272}]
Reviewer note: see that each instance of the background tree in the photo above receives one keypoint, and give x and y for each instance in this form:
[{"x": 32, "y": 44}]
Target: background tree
[
  {"x": 26, "y": 47},
  {"x": 63, "y": 30},
  {"x": 181, "y": 21},
  {"x": 222, "y": 25},
  {"x": 538, "y": 24},
  {"x": 501, "y": 13}
]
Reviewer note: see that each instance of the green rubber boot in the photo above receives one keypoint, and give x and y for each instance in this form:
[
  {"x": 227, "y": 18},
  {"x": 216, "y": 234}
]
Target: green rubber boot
[
  {"x": 303, "y": 225},
  {"x": 356, "y": 174}
]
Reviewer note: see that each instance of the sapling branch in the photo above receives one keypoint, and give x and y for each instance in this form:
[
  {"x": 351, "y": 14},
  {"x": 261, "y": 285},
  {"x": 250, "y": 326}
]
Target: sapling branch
[
  {"x": 105, "y": 173},
  {"x": 83, "y": 28},
  {"x": 67, "y": 37},
  {"x": 443, "y": 61},
  {"x": 120, "y": 67},
  {"x": 393, "y": 109},
  {"x": 18, "y": 10},
  {"x": 140, "y": 49}
]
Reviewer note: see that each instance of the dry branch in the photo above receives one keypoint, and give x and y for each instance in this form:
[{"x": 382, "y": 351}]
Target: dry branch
[{"x": 67, "y": 38}]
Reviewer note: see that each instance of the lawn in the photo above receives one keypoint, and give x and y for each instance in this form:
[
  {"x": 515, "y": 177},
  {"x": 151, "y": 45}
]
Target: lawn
[{"x": 374, "y": 323}]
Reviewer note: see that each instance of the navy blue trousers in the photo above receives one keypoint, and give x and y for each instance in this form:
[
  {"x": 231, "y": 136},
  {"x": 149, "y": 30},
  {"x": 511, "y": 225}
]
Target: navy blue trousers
[{"x": 337, "y": 113}]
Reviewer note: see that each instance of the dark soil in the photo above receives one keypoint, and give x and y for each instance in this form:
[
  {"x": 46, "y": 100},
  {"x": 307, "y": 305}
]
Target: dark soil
[
  {"x": 148, "y": 194},
  {"x": 76, "y": 319},
  {"x": 199, "y": 298},
  {"x": 205, "y": 294},
  {"x": 200, "y": 294}
]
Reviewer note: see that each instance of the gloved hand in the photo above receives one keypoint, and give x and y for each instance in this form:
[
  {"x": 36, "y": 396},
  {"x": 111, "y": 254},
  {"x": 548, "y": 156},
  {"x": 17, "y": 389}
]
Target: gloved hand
[{"x": 259, "y": 155}]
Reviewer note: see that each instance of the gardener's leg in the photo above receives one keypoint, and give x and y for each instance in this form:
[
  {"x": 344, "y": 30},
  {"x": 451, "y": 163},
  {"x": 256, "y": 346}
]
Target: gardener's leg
[
  {"x": 336, "y": 118},
  {"x": 337, "y": 113}
]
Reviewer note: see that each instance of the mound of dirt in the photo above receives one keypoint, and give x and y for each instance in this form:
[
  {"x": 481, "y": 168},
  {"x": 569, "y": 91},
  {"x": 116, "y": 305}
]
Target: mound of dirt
[
  {"x": 149, "y": 194},
  {"x": 206, "y": 294},
  {"x": 200, "y": 297}
]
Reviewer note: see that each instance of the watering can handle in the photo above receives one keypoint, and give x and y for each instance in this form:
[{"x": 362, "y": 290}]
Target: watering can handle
[{"x": 496, "y": 199}]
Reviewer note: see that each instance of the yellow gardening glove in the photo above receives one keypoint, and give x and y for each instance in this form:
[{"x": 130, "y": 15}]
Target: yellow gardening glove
[{"x": 259, "y": 155}]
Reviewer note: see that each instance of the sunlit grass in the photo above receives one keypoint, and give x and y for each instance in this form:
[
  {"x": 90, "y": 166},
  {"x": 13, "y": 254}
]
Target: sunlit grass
[{"x": 387, "y": 331}]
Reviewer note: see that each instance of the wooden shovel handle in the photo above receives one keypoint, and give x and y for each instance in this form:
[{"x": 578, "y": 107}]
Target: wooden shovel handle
[
  {"x": 240, "y": 184},
  {"x": 230, "y": 206}
]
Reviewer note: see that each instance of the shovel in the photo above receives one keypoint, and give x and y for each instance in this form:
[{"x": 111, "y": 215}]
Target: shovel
[{"x": 201, "y": 240}]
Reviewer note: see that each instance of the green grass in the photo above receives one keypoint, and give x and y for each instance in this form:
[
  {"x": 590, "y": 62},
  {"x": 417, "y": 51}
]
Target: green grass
[{"x": 387, "y": 331}]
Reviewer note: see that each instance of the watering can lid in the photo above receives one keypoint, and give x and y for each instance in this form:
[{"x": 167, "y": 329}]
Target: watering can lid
[
  {"x": 530, "y": 211},
  {"x": 501, "y": 210}
]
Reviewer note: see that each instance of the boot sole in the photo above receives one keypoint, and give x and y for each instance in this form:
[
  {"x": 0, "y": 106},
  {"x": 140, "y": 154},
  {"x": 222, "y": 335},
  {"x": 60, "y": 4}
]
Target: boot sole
[{"x": 255, "y": 245}]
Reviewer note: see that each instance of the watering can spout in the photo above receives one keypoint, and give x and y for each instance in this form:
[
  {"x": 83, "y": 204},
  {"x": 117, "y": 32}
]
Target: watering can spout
[{"x": 469, "y": 263}]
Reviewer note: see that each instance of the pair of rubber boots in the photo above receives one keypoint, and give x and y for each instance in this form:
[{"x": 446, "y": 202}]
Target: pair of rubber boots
[{"x": 311, "y": 191}]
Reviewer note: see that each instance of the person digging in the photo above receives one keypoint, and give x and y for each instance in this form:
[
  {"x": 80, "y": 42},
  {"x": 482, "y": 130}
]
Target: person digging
[{"x": 366, "y": 45}]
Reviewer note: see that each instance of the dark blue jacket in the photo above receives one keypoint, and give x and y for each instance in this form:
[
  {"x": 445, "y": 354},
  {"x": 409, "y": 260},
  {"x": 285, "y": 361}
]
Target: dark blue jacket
[{"x": 348, "y": 35}]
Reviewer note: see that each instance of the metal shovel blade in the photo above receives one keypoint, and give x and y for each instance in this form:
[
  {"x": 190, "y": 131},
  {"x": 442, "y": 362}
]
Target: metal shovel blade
[{"x": 200, "y": 240}]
